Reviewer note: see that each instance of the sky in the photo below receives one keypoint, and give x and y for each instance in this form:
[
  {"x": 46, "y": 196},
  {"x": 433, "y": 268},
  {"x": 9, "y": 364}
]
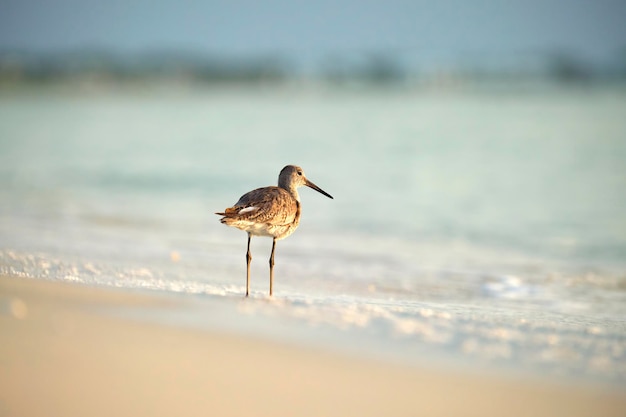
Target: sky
[{"x": 306, "y": 30}]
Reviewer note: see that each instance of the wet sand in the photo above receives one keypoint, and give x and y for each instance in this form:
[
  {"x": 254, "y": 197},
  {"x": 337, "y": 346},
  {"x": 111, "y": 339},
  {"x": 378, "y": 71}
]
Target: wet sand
[{"x": 61, "y": 355}]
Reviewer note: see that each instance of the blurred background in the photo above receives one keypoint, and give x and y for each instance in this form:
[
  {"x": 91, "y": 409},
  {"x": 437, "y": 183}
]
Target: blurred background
[
  {"x": 476, "y": 152},
  {"x": 481, "y": 137},
  {"x": 401, "y": 43}
]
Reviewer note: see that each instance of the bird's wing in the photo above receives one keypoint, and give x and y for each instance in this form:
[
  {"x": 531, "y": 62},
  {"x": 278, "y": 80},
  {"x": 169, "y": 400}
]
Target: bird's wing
[{"x": 271, "y": 205}]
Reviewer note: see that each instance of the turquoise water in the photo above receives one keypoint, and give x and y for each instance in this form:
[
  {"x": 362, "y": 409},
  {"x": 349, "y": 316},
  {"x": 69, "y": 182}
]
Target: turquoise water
[{"x": 483, "y": 224}]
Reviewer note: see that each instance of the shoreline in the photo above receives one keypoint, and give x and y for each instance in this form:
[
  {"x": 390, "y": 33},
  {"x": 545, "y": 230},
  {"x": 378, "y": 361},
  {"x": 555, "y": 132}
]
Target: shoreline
[{"x": 61, "y": 356}]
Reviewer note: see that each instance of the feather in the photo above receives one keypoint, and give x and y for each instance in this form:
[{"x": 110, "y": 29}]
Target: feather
[{"x": 247, "y": 209}]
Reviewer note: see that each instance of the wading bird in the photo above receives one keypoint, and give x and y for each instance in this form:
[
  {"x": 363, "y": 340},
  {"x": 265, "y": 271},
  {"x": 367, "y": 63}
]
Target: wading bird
[{"x": 270, "y": 211}]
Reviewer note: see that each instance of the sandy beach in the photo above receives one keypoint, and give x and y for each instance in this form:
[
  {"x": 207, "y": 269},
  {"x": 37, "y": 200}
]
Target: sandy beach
[{"x": 61, "y": 356}]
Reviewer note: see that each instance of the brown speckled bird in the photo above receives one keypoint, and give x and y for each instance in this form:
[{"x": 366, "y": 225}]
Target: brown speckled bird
[{"x": 270, "y": 211}]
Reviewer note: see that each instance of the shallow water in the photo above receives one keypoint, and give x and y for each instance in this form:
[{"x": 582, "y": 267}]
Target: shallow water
[{"x": 472, "y": 225}]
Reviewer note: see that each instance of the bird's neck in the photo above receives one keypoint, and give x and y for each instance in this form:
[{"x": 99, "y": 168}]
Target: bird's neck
[
  {"x": 295, "y": 194},
  {"x": 291, "y": 190}
]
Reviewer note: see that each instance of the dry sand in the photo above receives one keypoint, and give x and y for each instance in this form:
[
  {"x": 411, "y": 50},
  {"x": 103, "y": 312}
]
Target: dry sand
[{"x": 60, "y": 357}]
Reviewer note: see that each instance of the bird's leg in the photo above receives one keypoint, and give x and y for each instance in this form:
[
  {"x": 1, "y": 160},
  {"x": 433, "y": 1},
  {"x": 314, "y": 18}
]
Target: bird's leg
[
  {"x": 272, "y": 267},
  {"x": 248, "y": 259}
]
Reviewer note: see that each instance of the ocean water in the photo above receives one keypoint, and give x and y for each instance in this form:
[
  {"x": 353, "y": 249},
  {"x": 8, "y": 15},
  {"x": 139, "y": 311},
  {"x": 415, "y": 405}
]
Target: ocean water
[{"x": 473, "y": 226}]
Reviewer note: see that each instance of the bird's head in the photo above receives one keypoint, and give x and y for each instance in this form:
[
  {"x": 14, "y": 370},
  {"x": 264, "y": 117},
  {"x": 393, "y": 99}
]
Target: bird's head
[{"x": 292, "y": 177}]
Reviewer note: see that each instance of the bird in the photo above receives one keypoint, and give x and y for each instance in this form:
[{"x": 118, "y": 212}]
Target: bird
[{"x": 270, "y": 211}]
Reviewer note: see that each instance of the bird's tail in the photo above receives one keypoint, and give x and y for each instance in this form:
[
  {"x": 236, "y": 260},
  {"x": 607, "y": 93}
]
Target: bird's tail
[
  {"x": 228, "y": 216},
  {"x": 228, "y": 212}
]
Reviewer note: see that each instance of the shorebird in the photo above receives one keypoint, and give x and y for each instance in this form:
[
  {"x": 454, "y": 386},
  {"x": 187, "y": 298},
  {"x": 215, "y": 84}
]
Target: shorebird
[{"x": 270, "y": 211}]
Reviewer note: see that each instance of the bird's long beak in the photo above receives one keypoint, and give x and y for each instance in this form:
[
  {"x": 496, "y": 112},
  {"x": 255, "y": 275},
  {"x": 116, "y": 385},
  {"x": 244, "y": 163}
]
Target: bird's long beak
[{"x": 316, "y": 188}]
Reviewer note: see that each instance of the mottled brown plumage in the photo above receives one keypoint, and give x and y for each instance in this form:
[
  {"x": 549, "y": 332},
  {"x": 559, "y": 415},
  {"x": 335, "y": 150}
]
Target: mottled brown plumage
[{"x": 270, "y": 211}]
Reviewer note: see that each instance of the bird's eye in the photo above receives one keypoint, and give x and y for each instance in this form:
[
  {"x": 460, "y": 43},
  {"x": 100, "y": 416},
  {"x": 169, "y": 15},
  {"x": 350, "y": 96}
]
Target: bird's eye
[{"x": 299, "y": 172}]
